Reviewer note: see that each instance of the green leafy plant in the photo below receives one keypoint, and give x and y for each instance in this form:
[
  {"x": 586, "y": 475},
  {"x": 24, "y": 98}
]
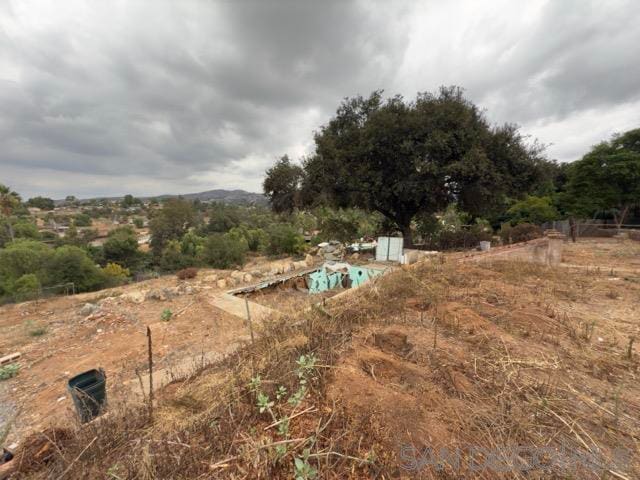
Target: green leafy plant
[
  {"x": 9, "y": 371},
  {"x": 34, "y": 329},
  {"x": 264, "y": 404},
  {"x": 166, "y": 315},
  {"x": 302, "y": 468}
]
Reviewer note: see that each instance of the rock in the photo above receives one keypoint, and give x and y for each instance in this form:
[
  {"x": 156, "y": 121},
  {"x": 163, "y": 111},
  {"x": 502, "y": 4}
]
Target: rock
[
  {"x": 355, "y": 256},
  {"x": 222, "y": 283},
  {"x": 299, "y": 265},
  {"x": 170, "y": 292},
  {"x": 88, "y": 309},
  {"x": 189, "y": 290},
  {"x": 237, "y": 275},
  {"x": 290, "y": 267},
  {"x": 247, "y": 278},
  {"x": 134, "y": 297},
  {"x": 155, "y": 295},
  {"x": 211, "y": 278},
  {"x": 231, "y": 282},
  {"x": 277, "y": 268},
  {"x": 308, "y": 259},
  {"x": 256, "y": 273}
]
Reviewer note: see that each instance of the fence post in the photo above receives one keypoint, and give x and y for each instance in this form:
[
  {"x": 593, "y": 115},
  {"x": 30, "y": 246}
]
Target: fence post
[{"x": 150, "y": 374}]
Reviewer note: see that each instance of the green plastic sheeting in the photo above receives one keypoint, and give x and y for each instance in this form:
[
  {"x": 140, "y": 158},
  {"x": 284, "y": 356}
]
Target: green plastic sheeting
[{"x": 322, "y": 281}]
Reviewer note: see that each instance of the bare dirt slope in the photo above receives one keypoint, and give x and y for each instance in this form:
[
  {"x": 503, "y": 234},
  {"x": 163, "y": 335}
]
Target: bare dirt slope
[
  {"x": 440, "y": 370},
  {"x": 64, "y": 336}
]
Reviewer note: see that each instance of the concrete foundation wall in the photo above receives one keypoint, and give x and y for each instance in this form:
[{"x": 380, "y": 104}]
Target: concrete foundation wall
[{"x": 546, "y": 251}]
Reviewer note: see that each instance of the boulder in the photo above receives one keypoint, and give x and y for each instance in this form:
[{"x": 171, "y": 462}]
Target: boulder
[
  {"x": 134, "y": 297},
  {"x": 247, "y": 278},
  {"x": 211, "y": 278},
  {"x": 156, "y": 295},
  {"x": 277, "y": 268},
  {"x": 222, "y": 283},
  {"x": 308, "y": 259},
  {"x": 237, "y": 275},
  {"x": 299, "y": 265},
  {"x": 88, "y": 309}
]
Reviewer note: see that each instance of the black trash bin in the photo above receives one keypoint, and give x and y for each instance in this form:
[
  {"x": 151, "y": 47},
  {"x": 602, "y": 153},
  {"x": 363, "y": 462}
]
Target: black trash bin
[{"x": 89, "y": 393}]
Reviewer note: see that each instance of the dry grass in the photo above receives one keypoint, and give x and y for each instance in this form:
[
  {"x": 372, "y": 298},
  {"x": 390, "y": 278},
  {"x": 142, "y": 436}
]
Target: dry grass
[{"x": 434, "y": 356}]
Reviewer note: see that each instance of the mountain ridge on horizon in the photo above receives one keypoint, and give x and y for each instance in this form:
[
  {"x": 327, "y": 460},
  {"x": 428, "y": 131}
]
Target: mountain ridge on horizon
[{"x": 222, "y": 195}]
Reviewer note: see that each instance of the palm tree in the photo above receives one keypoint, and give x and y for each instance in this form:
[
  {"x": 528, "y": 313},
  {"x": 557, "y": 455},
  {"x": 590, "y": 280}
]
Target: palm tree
[{"x": 9, "y": 200}]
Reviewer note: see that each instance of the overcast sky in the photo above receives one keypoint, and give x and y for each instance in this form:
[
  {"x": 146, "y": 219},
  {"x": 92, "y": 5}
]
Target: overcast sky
[{"x": 148, "y": 97}]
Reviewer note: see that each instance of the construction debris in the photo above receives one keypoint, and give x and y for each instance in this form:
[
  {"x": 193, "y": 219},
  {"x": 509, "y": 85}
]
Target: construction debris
[{"x": 10, "y": 358}]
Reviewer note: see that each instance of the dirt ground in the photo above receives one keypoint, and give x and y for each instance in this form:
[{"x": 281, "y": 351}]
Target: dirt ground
[
  {"x": 517, "y": 355},
  {"x": 57, "y": 339},
  {"x": 493, "y": 355},
  {"x": 113, "y": 339}
]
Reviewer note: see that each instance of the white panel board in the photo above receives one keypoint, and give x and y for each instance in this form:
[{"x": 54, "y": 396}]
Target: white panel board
[{"x": 389, "y": 249}]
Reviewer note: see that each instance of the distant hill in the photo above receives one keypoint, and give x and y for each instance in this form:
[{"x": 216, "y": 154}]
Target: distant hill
[
  {"x": 240, "y": 197},
  {"x": 226, "y": 196}
]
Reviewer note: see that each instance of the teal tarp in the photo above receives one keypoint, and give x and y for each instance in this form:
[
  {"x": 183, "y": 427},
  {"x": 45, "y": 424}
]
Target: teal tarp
[{"x": 321, "y": 281}]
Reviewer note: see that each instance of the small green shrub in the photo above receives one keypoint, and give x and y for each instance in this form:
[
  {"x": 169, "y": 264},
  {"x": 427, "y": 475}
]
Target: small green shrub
[
  {"x": 186, "y": 273},
  {"x": 26, "y": 287},
  {"x": 115, "y": 274},
  {"x": 82, "y": 220},
  {"x": 9, "y": 371},
  {"x": 520, "y": 233},
  {"x": 34, "y": 329},
  {"x": 224, "y": 251},
  {"x": 166, "y": 315},
  {"x": 284, "y": 239}
]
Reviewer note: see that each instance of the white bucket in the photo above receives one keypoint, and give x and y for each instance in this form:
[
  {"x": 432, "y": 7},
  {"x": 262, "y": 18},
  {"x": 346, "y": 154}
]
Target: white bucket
[{"x": 485, "y": 246}]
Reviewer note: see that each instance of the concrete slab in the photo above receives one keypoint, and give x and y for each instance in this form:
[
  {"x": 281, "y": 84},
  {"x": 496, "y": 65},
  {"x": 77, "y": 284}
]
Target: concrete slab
[{"x": 235, "y": 305}]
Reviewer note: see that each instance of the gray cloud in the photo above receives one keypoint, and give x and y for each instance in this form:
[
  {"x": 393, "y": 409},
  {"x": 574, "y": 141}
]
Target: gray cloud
[{"x": 102, "y": 98}]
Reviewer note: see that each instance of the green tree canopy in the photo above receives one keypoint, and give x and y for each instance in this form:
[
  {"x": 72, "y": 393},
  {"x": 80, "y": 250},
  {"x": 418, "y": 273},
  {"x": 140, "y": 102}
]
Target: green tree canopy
[
  {"x": 42, "y": 203},
  {"x": 72, "y": 264},
  {"x": 171, "y": 222},
  {"x": 129, "y": 201},
  {"x": 282, "y": 185},
  {"x": 606, "y": 178},
  {"x": 9, "y": 202},
  {"x": 403, "y": 158},
  {"x": 23, "y": 257},
  {"x": 223, "y": 251},
  {"x": 121, "y": 247},
  {"x": 532, "y": 209}
]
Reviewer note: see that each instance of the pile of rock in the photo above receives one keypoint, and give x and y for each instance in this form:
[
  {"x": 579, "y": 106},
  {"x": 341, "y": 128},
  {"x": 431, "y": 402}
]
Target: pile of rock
[{"x": 333, "y": 251}]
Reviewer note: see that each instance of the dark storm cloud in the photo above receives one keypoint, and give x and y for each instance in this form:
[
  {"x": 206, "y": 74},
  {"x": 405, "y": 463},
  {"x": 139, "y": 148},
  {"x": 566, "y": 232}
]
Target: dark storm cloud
[
  {"x": 101, "y": 98},
  {"x": 174, "y": 89}
]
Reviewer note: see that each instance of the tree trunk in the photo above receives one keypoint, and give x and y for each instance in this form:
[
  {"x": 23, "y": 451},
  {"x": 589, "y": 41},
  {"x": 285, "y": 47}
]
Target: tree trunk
[
  {"x": 10, "y": 230},
  {"x": 573, "y": 229},
  {"x": 620, "y": 219},
  {"x": 407, "y": 235}
]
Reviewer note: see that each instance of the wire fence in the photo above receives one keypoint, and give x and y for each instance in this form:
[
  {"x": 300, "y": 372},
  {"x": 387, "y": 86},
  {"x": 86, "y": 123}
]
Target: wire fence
[
  {"x": 591, "y": 228},
  {"x": 40, "y": 293}
]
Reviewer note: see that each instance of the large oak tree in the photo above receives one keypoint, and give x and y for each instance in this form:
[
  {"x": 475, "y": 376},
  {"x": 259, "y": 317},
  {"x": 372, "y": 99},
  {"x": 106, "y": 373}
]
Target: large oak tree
[
  {"x": 402, "y": 158},
  {"x": 282, "y": 185},
  {"x": 606, "y": 178}
]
